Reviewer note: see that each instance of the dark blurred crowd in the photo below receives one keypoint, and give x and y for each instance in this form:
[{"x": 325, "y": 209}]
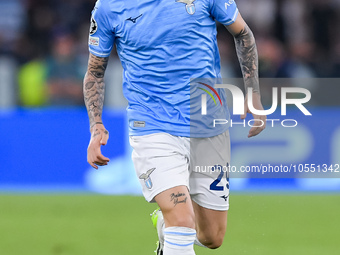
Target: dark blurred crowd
[
  {"x": 47, "y": 40},
  {"x": 295, "y": 38},
  {"x": 43, "y": 43}
]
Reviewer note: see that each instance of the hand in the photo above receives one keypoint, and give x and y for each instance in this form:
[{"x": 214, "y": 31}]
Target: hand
[
  {"x": 260, "y": 121},
  {"x": 99, "y": 137}
]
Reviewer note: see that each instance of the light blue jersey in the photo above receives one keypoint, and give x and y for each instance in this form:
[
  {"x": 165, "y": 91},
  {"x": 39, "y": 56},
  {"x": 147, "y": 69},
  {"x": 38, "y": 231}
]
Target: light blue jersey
[{"x": 163, "y": 45}]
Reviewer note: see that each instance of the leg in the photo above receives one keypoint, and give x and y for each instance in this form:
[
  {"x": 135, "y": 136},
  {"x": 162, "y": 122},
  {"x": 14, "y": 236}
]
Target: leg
[
  {"x": 179, "y": 233},
  {"x": 210, "y": 226},
  {"x": 209, "y": 188},
  {"x": 161, "y": 164},
  {"x": 176, "y": 206}
]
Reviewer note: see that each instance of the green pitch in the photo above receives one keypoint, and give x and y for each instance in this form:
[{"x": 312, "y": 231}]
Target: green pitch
[{"x": 109, "y": 225}]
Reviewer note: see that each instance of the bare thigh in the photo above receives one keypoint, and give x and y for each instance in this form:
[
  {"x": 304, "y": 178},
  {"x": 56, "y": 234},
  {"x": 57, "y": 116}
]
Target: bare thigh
[{"x": 177, "y": 207}]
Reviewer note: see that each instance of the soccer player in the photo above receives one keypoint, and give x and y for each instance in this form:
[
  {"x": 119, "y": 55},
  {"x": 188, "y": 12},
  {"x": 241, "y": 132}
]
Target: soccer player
[{"x": 164, "y": 46}]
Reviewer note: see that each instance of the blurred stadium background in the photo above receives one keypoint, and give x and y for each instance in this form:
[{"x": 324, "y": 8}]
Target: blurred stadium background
[{"x": 51, "y": 202}]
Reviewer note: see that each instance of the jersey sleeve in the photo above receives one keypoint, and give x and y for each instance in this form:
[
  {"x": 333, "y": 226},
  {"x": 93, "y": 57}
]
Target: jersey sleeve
[
  {"x": 224, "y": 11},
  {"x": 101, "y": 38}
]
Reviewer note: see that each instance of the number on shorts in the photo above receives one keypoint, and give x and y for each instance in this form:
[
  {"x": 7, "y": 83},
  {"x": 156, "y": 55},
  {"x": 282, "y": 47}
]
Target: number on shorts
[{"x": 214, "y": 185}]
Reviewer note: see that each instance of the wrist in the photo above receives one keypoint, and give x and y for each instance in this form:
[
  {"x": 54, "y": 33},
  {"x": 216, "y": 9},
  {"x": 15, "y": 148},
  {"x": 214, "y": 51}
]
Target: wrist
[
  {"x": 255, "y": 93},
  {"x": 95, "y": 124}
]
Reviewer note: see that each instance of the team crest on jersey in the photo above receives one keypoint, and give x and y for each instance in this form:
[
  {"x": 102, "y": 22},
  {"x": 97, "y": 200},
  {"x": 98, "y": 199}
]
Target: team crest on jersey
[
  {"x": 189, "y": 5},
  {"x": 94, "y": 26},
  {"x": 147, "y": 179}
]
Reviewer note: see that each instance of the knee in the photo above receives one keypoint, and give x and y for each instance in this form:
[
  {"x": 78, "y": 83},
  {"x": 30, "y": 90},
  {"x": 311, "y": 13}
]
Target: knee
[
  {"x": 215, "y": 243},
  {"x": 212, "y": 241},
  {"x": 179, "y": 218},
  {"x": 184, "y": 220}
]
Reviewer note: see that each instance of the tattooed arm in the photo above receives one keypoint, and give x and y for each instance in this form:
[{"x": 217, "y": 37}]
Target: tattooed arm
[
  {"x": 248, "y": 58},
  {"x": 94, "y": 89}
]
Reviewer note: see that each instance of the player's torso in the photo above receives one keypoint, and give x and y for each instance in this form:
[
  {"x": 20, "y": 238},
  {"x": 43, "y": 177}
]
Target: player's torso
[
  {"x": 165, "y": 34},
  {"x": 145, "y": 24},
  {"x": 162, "y": 45}
]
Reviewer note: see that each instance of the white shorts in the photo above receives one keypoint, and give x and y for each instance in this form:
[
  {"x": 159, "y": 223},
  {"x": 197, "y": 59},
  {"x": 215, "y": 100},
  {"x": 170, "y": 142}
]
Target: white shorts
[{"x": 163, "y": 161}]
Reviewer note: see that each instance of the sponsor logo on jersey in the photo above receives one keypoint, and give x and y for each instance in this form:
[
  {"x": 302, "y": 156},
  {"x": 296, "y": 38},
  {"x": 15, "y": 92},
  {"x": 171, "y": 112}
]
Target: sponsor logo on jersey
[
  {"x": 134, "y": 20},
  {"x": 94, "y": 41},
  {"x": 147, "y": 179},
  {"x": 229, "y": 3},
  {"x": 189, "y": 5},
  {"x": 94, "y": 26}
]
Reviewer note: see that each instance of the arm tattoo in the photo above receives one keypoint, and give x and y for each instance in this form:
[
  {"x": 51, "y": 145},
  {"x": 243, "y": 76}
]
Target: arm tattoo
[
  {"x": 94, "y": 88},
  {"x": 248, "y": 58}
]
